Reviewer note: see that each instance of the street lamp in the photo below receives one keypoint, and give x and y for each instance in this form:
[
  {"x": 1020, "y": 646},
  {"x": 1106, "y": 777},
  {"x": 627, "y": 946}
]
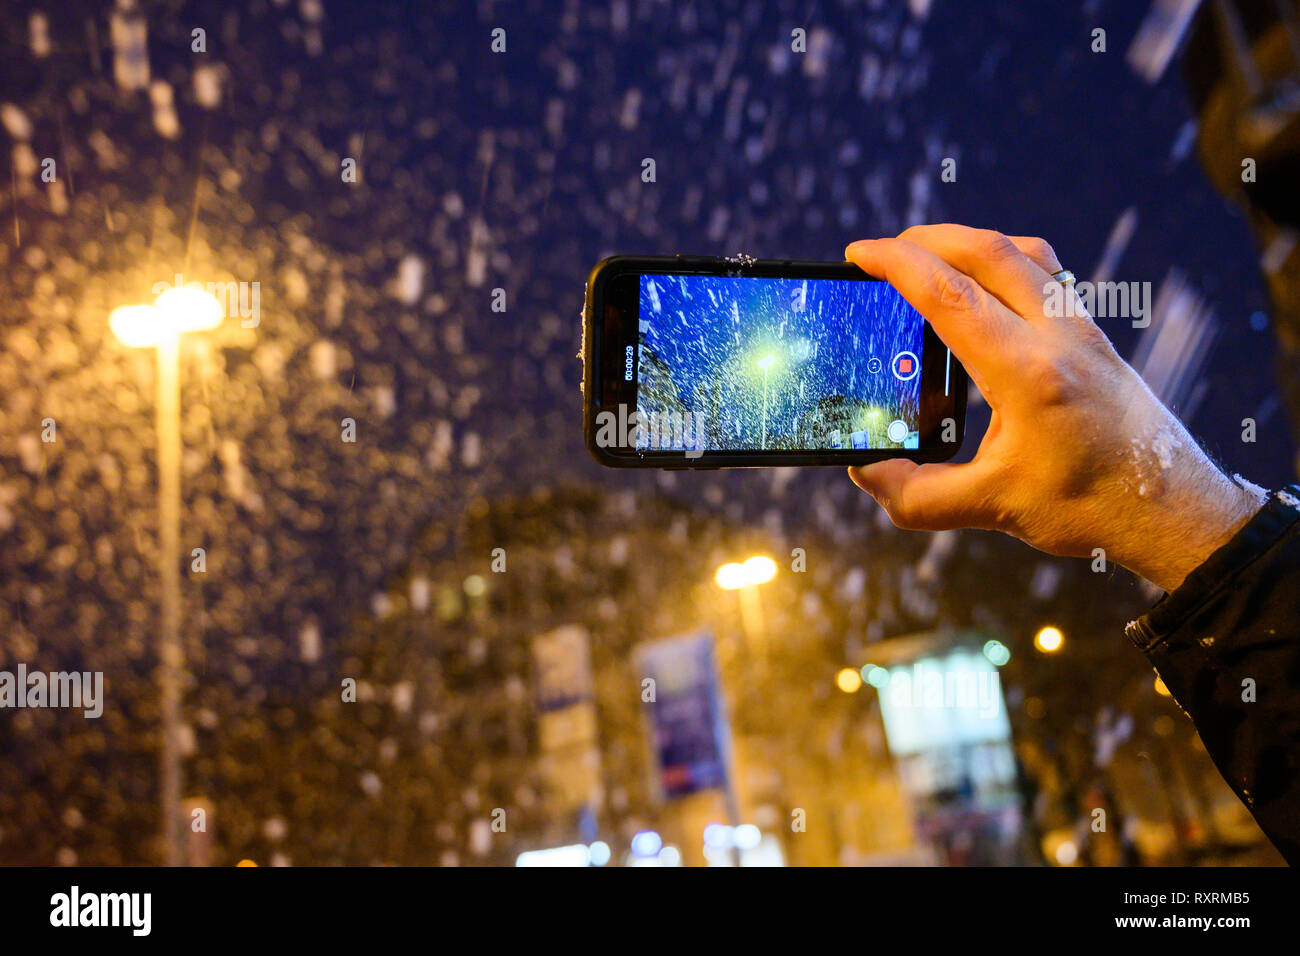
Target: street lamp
[
  {"x": 1049, "y": 640},
  {"x": 848, "y": 680},
  {"x": 731, "y": 576},
  {"x": 745, "y": 578},
  {"x": 760, "y": 569},
  {"x": 757, "y": 570},
  {"x": 160, "y": 326},
  {"x": 765, "y": 363}
]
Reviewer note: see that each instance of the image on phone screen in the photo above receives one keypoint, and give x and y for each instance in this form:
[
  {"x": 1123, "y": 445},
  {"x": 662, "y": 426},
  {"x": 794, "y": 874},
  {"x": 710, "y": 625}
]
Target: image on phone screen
[{"x": 752, "y": 363}]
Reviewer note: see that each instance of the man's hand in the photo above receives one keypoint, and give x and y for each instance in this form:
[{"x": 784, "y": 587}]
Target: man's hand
[{"x": 1079, "y": 454}]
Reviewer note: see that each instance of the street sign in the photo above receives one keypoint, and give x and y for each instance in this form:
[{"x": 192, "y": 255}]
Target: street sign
[{"x": 687, "y": 719}]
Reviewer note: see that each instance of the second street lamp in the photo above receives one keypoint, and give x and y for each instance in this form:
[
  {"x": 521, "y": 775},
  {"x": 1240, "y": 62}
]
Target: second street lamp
[
  {"x": 745, "y": 578},
  {"x": 160, "y": 326},
  {"x": 1049, "y": 639}
]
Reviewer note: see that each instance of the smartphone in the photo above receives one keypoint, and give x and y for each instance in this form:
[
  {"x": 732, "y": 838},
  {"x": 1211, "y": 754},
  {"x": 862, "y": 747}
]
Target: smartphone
[{"x": 703, "y": 362}]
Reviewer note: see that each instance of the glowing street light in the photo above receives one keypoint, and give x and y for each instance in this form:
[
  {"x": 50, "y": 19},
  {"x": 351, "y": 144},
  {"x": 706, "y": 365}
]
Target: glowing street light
[
  {"x": 848, "y": 680},
  {"x": 177, "y": 310},
  {"x": 160, "y": 326},
  {"x": 189, "y": 308},
  {"x": 138, "y": 326},
  {"x": 746, "y": 578},
  {"x": 756, "y": 570},
  {"x": 731, "y": 576},
  {"x": 1049, "y": 640},
  {"x": 760, "y": 569}
]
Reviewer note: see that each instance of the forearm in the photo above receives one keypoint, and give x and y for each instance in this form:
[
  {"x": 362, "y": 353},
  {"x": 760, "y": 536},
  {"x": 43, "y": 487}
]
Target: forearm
[{"x": 1227, "y": 646}]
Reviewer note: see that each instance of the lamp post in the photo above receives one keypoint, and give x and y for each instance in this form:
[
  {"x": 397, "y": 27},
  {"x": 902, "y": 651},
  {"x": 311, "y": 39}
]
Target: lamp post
[
  {"x": 765, "y": 363},
  {"x": 745, "y": 578},
  {"x": 160, "y": 326}
]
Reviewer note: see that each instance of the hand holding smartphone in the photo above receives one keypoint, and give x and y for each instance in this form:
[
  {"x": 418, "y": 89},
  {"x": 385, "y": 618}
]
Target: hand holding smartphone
[{"x": 698, "y": 362}]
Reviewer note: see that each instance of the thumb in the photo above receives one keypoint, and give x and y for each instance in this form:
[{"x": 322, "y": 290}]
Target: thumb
[
  {"x": 883, "y": 479},
  {"x": 932, "y": 497}
]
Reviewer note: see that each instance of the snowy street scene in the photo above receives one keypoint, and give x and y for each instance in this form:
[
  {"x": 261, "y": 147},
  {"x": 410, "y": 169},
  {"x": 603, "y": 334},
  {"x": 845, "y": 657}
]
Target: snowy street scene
[
  {"x": 315, "y": 587},
  {"x": 781, "y": 363}
]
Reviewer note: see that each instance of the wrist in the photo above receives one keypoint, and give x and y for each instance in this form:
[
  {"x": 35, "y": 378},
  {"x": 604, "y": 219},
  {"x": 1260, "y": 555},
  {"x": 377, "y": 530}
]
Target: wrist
[{"x": 1176, "y": 532}]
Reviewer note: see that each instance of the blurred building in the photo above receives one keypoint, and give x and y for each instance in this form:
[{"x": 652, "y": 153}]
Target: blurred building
[
  {"x": 1242, "y": 66},
  {"x": 818, "y": 771}
]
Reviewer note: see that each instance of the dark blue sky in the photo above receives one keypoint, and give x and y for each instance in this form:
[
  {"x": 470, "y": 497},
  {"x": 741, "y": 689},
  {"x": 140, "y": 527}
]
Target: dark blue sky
[
  {"x": 519, "y": 170},
  {"x": 784, "y": 155}
]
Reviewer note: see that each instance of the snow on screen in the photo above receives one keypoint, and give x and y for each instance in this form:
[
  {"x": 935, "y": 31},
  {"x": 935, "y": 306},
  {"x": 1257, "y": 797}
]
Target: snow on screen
[{"x": 728, "y": 363}]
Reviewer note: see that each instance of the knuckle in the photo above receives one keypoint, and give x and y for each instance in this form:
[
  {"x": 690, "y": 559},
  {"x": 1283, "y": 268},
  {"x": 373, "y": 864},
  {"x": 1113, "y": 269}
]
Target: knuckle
[
  {"x": 1054, "y": 378},
  {"x": 954, "y": 290},
  {"x": 997, "y": 247},
  {"x": 1040, "y": 250}
]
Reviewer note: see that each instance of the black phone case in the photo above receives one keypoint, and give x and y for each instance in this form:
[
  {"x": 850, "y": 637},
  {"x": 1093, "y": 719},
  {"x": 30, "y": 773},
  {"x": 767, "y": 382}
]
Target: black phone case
[{"x": 711, "y": 460}]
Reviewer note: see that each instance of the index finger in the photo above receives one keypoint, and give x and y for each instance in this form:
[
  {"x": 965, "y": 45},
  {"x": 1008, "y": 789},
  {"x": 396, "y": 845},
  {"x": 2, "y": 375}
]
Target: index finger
[
  {"x": 997, "y": 262},
  {"x": 986, "y": 337}
]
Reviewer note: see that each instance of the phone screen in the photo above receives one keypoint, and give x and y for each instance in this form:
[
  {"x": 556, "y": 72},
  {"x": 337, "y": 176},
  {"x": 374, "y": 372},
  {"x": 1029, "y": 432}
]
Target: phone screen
[{"x": 744, "y": 363}]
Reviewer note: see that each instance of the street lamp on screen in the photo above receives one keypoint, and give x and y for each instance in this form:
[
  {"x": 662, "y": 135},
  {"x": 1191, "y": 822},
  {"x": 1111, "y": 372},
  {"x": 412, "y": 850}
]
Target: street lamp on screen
[
  {"x": 160, "y": 326},
  {"x": 765, "y": 363}
]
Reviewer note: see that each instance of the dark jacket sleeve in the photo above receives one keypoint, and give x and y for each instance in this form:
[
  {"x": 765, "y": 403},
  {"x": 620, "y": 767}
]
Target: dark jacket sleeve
[{"x": 1227, "y": 646}]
